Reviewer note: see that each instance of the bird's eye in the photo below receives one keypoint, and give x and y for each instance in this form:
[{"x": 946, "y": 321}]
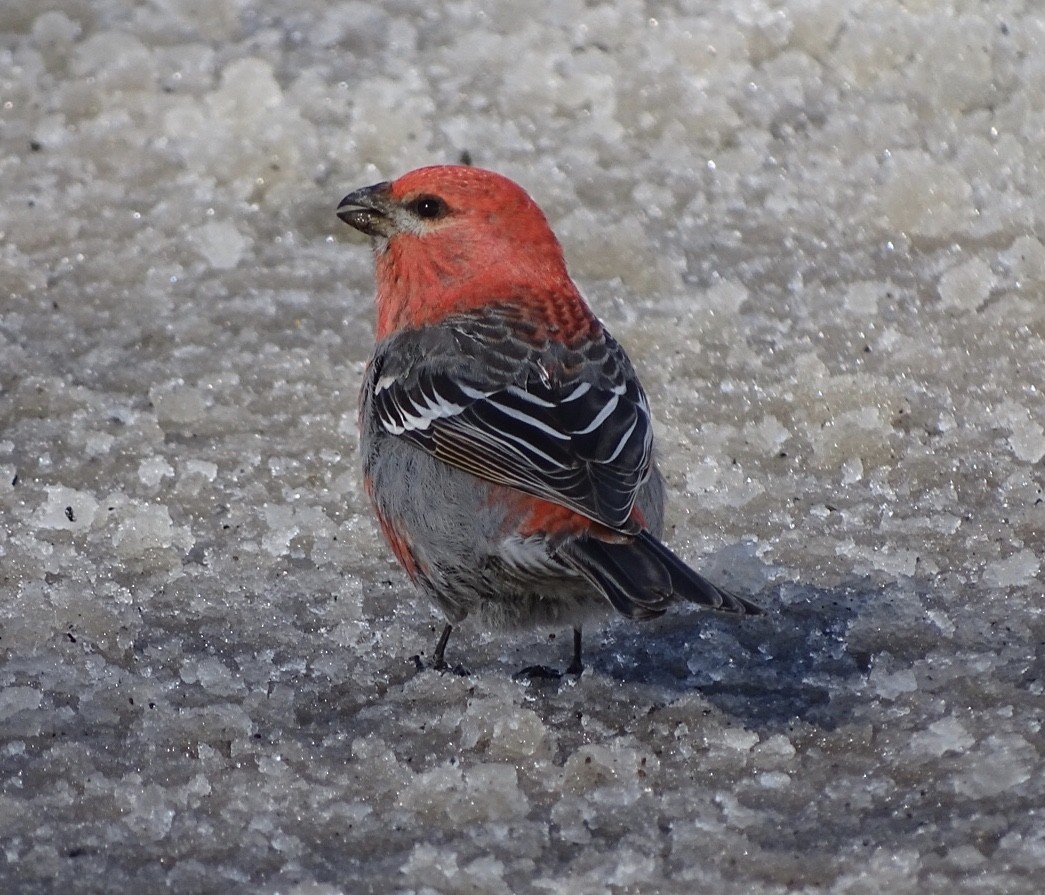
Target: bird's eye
[{"x": 429, "y": 207}]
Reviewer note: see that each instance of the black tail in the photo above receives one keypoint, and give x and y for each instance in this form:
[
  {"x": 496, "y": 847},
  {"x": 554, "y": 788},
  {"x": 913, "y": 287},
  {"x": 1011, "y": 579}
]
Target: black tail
[{"x": 642, "y": 577}]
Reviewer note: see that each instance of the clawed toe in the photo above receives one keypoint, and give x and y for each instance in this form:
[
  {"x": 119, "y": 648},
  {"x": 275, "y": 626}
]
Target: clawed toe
[
  {"x": 440, "y": 665},
  {"x": 444, "y": 667},
  {"x": 537, "y": 673}
]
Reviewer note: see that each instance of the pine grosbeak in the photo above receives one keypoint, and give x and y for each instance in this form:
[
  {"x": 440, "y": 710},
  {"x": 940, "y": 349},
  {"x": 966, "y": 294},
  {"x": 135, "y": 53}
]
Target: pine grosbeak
[{"x": 506, "y": 441}]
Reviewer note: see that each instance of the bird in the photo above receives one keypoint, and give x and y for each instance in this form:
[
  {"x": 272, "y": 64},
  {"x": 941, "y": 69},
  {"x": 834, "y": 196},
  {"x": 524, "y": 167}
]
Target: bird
[{"x": 506, "y": 441}]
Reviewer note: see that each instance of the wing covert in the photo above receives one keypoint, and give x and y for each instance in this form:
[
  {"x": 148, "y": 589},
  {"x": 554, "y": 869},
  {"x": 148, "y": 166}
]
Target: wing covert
[{"x": 569, "y": 425}]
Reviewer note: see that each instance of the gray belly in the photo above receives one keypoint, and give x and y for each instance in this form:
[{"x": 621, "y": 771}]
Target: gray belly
[{"x": 469, "y": 559}]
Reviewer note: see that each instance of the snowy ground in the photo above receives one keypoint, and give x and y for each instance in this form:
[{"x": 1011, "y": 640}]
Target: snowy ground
[{"x": 817, "y": 226}]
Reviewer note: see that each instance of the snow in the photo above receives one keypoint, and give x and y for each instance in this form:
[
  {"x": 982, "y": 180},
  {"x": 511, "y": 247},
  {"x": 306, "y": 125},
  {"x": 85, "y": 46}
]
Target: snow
[{"x": 818, "y": 229}]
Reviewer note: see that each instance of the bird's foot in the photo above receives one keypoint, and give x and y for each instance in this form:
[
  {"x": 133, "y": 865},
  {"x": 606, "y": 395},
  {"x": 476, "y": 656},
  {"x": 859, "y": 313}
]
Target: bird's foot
[
  {"x": 537, "y": 673},
  {"x": 575, "y": 668},
  {"x": 440, "y": 665}
]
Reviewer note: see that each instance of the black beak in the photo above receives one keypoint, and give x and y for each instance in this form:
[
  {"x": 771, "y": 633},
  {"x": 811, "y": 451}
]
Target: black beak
[{"x": 369, "y": 210}]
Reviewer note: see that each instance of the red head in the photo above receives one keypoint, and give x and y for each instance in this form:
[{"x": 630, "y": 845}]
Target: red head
[{"x": 450, "y": 239}]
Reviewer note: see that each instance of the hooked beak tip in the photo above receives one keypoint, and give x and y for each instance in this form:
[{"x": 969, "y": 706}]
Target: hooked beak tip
[{"x": 367, "y": 210}]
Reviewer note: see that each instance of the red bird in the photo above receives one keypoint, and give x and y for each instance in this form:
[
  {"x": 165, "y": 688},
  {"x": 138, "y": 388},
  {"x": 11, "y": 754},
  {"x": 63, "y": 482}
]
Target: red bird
[{"x": 507, "y": 444}]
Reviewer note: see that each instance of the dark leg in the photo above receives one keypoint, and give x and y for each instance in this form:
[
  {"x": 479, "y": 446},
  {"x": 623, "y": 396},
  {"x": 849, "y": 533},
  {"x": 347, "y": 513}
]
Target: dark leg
[
  {"x": 542, "y": 672},
  {"x": 576, "y": 666},
  {"x": 438, "y": 662}
]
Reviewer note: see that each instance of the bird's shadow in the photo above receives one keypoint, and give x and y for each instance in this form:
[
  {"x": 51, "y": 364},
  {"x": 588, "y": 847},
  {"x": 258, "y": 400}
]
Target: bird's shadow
[{"x": 795, "y": 663}]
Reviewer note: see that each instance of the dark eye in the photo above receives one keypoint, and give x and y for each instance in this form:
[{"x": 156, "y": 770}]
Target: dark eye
[{"x": 429, "y": 207}]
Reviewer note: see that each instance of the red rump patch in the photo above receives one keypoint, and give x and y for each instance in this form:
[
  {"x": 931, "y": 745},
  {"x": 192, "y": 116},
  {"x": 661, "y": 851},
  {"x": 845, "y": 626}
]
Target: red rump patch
[{"x": 529, "y": 516}]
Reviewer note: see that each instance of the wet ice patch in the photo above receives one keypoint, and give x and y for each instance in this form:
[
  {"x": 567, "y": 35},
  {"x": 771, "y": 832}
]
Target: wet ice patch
[
  {"x": 943, "y": 736},
  {"x": 1019, "y": 568},
  {"x": 154, "y": 470},
  {"x": 143, "y": 528},
  {"x": 66, "y": 509},
  {"x": 967, "y": 286},
  {"x": 1002, "y": 762},
  {"x": 1028, "y": 437},
  {"x": 486, "y": 792},
  {"x": 221, "y": 244}
]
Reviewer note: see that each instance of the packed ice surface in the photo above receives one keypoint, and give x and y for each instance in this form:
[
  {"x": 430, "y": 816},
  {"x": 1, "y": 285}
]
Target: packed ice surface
[{"x": 818, "y": 228}]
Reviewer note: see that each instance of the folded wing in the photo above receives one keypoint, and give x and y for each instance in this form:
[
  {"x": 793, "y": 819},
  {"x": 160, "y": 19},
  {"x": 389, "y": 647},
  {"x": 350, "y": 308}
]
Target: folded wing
[{"x": 571, "y": 426}]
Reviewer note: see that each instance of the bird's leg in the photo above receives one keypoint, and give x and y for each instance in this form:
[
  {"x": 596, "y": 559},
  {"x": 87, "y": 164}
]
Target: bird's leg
[
  {"x": 543, "y": 672},
  {"x": 438, "y": 660},
  {"x": 576, "y": 666}
]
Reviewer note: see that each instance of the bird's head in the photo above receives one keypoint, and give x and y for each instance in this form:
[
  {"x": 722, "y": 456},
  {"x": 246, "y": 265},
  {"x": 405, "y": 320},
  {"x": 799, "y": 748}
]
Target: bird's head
[
  {"x": 448, "y": 203},
  {"x": 450, "y": 239}
]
